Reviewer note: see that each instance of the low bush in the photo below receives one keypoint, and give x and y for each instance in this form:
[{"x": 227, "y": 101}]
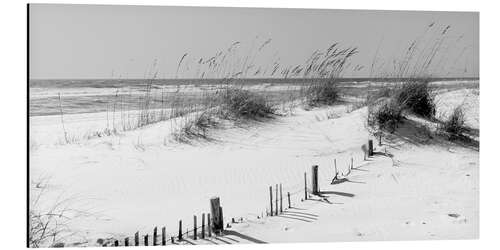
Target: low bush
[
  {"x": 196, "y": 127},
  {"x": 385, "y": 115},
  {"x": 324, "y": 93},
  {"x": 417, "y": 97},
  {"x": 241, "y": 103},
  {"x": 454, "y": 126},
  {"x": 230, "y": 103}
]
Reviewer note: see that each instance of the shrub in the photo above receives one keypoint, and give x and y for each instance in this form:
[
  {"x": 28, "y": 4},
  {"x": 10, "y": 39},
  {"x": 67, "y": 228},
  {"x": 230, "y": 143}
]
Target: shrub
[
  {"x": 325, "y": 93},
  {"x": 455, "y": 124},
  {"x": 196, "y": 127},
  {"x": 418, "y": 98},
  {"x": 241, "y": 103},
  {"x": 385, "y": 116}
]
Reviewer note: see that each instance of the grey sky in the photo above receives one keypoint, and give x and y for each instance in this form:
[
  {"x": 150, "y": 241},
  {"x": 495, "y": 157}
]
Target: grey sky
[{"x": 93, "y": 41}]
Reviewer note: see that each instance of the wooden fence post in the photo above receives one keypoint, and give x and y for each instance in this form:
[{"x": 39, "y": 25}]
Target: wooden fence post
[
  {"x": 146, "y": 243},
  {"x": 195, "y": 229},
  {"x": 155, "y": 235},
  {"x": 217, "y": 217},
  {"x": 136, "y": 239},
  {"x": 276, "y": 200},
  {"x": 305, "y": 186},
  {"x": 203, "y": 225},
  {"x": 180, "y": 230},
  {"x": 370, "y": 147},
  {"x": 221, "y": 220},
  {"x": 315, "y": 186},
  {"x": 163, "y": 236},
  {"x": 380, "y": 139},
  {"x": 281, "y": 198},
  {"x": 116, "y": 243},
  {"x": 126, "y": 242},
  {"x": 209, "y": 225},
  {"x": 271, "y": 198},
  {"x": 352, "y": 163},
  {"x": 289, "y": 204}
]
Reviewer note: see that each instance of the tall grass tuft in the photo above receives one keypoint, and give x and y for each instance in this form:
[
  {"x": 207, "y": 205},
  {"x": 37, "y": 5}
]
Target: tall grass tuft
[
  {"x": 417, "y": 97},
  {"x": 454, "y": 126},
  {"x": 226, "y": 100},
  {"x": 236, "y": 102},
  {"x": 323, "y": 93},
  {"x": 385, "y": 116},
  {"x": 196, "y": 127}
]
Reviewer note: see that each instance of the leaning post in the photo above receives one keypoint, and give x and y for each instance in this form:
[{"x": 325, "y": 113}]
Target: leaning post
[
  {"x": 315, "y": 186},
  {"x": 271, "y": 199},
  {"x": 305, "y": 186},
  {"x": 370, "y": 148},
  {"x": 216, "y": 211}
]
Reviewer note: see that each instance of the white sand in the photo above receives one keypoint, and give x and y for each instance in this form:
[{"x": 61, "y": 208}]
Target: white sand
[{"x": 141, "y": 179}]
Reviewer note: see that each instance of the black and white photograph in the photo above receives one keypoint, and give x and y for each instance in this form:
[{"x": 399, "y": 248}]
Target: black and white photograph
[{"x": 169, "y": 125}]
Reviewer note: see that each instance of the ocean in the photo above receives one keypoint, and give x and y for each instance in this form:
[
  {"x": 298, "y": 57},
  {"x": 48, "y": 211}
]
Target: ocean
[{"x": 74, "y": 96}]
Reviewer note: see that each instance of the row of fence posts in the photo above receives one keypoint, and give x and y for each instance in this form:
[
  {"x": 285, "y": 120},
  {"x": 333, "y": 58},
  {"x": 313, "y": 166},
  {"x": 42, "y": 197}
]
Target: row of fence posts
[
  {"x": 315, "y": 190},
  {"x": 277, "y": 209},
  {"x": 215, "y": 224}
]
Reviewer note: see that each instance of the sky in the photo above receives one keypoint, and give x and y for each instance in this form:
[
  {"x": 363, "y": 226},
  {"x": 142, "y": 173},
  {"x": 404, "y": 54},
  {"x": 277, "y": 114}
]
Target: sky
[{"x": 113, "y": 41}]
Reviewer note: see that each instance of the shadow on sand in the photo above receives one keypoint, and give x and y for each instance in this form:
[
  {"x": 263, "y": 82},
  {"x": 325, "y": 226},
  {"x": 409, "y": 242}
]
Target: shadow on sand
[
  {"x": 242, "y": 236},
  {"x": 322, "y": 193},
  {"x": 414, "y": 133}
]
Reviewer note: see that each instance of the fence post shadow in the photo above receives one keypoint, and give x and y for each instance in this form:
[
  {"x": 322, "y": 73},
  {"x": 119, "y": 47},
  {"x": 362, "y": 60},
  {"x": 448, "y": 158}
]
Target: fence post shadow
[{"x": 246, "y": 237}]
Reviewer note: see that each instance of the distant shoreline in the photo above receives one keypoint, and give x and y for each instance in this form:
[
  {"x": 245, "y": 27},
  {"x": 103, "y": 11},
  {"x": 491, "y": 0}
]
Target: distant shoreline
[{"x": 111, "y": 82}]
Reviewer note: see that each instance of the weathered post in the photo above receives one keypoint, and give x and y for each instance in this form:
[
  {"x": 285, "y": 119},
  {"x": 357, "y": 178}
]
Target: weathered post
[
  {"x": 380, "y": 139},
  {"x": 221, "y": 220},
  {"x": 163, "y": 236},
  {"x": 136, "y": 239},
  {"x": 271, "y": 198},
  {"x": 209, "y": 225},
  {"x": 281, "y": 198},
  {"x": 370, "y": 148},
  {"x": 305, "y": 186},
  {"x": 315, "y": 186},
  {"x": 195, "y": 228},
  {"x": 365, "y": 151},
  {"x": 146, "y": 243},
  {"x": 116, "y": 243},
  {"x": 126, "y": 242},
  {"x": 180, "y": 230},
  {"x": 155, "y": 235},
  {"x": 276, "y": 200},
  {"x": 203, "y": 225},
  {"x": 289, "y": 203},
  {"x": 216, "y": 211}
]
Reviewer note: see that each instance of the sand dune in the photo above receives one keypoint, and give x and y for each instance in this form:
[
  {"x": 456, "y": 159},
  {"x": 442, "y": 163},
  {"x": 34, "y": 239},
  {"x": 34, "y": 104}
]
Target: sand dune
[{"x": 140, "y": 179}]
